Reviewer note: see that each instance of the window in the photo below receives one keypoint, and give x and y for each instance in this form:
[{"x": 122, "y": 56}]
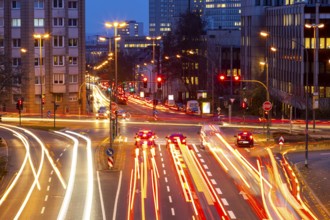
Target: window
[
  {"x": 38, "y": 4},
  {"x": 38, "y": 22},
  {"x": 73, "y": 42},
  {"x": 57, "y": 3},
  {"x": 37, "y": 41},
  {"x": 16, "y": 22},
  {"x": 73, "y": 22},
  {"x": 37, "y": 61},
  {"x": 1, "y": 22},
  {"x": 1, "y": 42},
  {"x": 73, "y": 61},
  {"x": 16, "y": 61},
  {"x": 58, "y": 22},
  {"x": 58, "y": 60},
  {"x": 1, "y": 3},
  {"x": 58, "y": 78},
  {"x": 58, "y": 41},
  {"x": 15, "y": 4},
  {"x": 73, "y": 78},
  {"x": 73, "y": 4},
  {"x": 16, "y": 43}
]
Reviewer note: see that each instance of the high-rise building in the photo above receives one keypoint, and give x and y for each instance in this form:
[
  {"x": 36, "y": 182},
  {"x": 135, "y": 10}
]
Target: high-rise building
[
  {"x": 45, "y": 41},
  {"x": 132, "y": 29}
]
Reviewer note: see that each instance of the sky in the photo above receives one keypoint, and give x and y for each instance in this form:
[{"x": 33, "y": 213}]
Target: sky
[{"x": 100, "y": 11}]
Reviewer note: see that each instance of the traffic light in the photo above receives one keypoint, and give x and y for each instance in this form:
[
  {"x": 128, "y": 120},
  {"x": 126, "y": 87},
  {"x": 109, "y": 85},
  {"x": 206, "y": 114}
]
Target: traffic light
[
  {"x": 237, "y": 78},
  {"x": 19, "y": 104},
  {"x": 145, "y": 82},
  {"x": 222, "y": 77},
  {"x": 244, "y": 105},
  {"x": 159, "y": 82}
]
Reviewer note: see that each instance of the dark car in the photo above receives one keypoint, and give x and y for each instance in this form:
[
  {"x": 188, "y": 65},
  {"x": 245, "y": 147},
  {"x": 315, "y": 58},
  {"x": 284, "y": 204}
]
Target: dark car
[
  {"x": 176, "y": 139},
  {"x": 103, "y": 113},
  {"x": 145, "y": 137},
  {"x": 245, "y": 138}
]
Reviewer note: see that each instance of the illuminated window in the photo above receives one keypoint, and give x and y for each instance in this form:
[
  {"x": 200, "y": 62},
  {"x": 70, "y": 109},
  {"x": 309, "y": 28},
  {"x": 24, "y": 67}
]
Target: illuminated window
[
  {"x": 322, "y": 43},
  {"x": 73, "y": 61},
  {"x": 16, "y": 22},
  {"x": 38, "y": 22},
  {"x": 58, "y": 60},
  {"x": 73, "y": 42},
  {"x": 328, "y": 43},
  {"x": 307, "y": 43}
]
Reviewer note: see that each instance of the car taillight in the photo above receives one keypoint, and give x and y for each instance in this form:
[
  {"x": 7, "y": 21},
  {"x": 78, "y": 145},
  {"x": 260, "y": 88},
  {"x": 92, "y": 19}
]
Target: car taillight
[
  {"x": 144, "y": 135},
  {"x": 184, "y": 141},
  {"x": 169, "y": 141},
  {"x": 145, "y": 142},
  {"x": 239, "y": 137},
  {"x": 251, "y": 137},
  {"x": 138, "y": 139},
  {"x": 124, "y": 115}
]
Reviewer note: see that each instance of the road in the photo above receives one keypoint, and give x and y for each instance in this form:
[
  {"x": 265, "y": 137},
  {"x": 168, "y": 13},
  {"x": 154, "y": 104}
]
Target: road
[{"x": 188, "y": 181}]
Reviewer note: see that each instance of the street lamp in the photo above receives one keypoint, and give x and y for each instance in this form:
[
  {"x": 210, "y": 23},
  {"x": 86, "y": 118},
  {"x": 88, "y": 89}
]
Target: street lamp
[
  {"x": 39, "y": 37},
  {"x": 116, "y": 25},
  {"x": 265, "y": 34},
  {"x": 316, "y": 64}
]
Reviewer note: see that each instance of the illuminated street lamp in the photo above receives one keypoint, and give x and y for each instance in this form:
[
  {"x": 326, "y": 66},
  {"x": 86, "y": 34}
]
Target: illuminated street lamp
[
  {"x": 316, "y": 65},
  {"x": 116, "y": 25},
  {"x": 39, "y": 37}
]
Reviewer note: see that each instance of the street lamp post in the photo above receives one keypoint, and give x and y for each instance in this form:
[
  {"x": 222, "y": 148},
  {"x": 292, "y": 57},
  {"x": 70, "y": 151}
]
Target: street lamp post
[
  {"x": 316, "y": 65},
  {"x": 39, "y": 37},
  {"x": 115, "y": 25}
]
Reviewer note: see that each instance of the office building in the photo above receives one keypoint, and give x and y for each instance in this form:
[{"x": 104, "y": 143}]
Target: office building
[{"x": 52, "y": 69}]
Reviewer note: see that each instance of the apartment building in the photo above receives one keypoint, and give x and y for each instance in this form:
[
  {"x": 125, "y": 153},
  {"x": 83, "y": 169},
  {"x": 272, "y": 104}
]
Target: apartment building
[{"x": 45, "y": 40}]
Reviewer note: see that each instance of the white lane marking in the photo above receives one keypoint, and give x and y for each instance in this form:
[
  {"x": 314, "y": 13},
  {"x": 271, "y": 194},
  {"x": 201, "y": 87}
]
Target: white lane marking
[
  {"x": 172, "y": 210},
  {"x": 50, "y": 179},
  {"x": 166, "y": 179},
  {"x": 170, "y": 199},
  {"x": 161, "y": 159},
  {"x": 51, "y": 173},
  {"x": 163, "y": 165},
  {"x": 57, "y": 159},
  {"x": 209, "y": 173},
  {"x": 101, "y": 196},
  {"x": 164, "y": 172},
  {"x": 161, "y": 154},
  {"x": 199, "y": 155},
  {"x": 225, "y": 202},
  {"x": 61, "y": 154},
  {"x": 43, "y": 210},
  {"x": 218, "y": 191},
  {"x": 117, "y": 196},
  {"x": 213, "y": 182},
  {"x": 205, "y": 166},
  {"x": 48, "y": 187},
  {"x": 168, "y": 189},
  {"x": 46, "y": 198},
  {"x": 231, "y": 214},
  {"x": 202, "y": 160}
]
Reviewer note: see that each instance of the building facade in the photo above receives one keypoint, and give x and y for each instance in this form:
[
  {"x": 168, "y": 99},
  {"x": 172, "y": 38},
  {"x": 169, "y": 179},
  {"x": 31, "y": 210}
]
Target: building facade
[{"x": 52, "y": 68}]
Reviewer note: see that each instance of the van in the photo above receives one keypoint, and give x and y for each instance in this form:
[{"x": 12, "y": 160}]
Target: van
[{"x": 192, "y": 107}]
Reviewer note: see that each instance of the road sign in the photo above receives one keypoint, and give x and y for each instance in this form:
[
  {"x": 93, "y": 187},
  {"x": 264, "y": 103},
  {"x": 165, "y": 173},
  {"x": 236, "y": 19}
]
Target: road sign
[
  {"x": 281, "y": 140},
  {"x": 110, "y": 152},
  {"x": 110, "y": 162},
  {"x": 267, "y": 106}
]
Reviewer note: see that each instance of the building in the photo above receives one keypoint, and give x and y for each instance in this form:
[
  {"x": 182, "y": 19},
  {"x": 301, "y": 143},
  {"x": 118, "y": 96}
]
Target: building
[
  {"x": 53, "y": 68},
  {"x": 132, "y": 29},
  {"x": 221, "y": 14},
  {"x": 287, "y": 69}
]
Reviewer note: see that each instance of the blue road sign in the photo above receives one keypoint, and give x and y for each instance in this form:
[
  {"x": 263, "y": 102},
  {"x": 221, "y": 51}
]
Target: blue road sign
[{"x": 110, "y": 152}]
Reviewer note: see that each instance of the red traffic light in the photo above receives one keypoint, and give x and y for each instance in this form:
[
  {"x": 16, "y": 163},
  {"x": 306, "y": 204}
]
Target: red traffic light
[
  {"x": 159, "y": 79},
  {"x": 222, "y": 77},
  {"x": 237, "y": 78},
  {"x": 244, "y": 105},
  {"x": 145, "y": 79}
]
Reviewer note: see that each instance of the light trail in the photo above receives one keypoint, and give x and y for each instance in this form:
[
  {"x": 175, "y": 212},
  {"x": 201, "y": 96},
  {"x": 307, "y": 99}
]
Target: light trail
[
  {"x": 90, "y": 185},
  {"x": 262, "y": 192},
  {"x": 69, "y": 190}
]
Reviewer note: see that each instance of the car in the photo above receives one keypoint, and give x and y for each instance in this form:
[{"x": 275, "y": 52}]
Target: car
[
  {"x": 122, "y": 114},
  {"x": 102, "y": 113},
  {"x": 145, "y": 138},
  {"x": 244, "y": 138},
  {"x": 176, "y": 139}
]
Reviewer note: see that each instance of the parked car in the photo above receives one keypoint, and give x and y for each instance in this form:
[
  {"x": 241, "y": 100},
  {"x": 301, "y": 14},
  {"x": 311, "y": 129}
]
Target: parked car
[{"x": 244, "y": 138}]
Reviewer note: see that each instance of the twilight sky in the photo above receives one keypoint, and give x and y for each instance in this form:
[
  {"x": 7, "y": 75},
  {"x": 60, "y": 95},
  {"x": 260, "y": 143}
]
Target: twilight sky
[{"x": 100, "y": 11}]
